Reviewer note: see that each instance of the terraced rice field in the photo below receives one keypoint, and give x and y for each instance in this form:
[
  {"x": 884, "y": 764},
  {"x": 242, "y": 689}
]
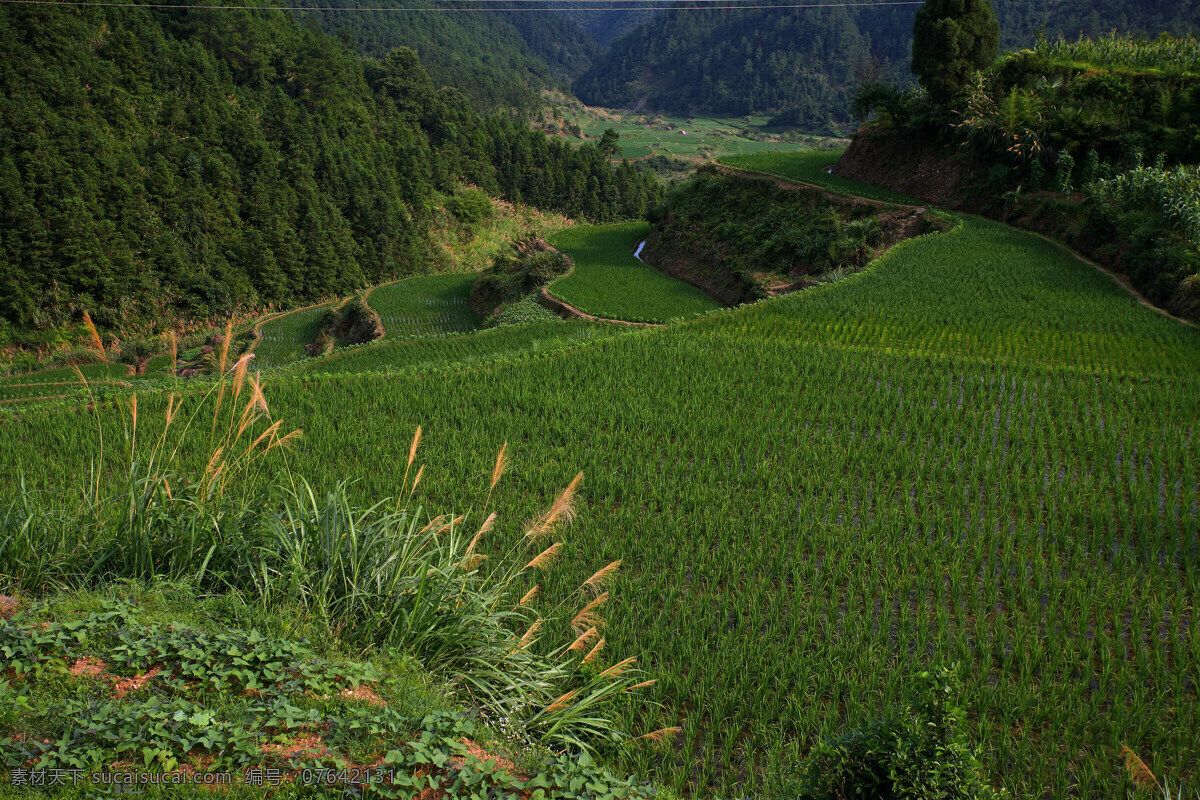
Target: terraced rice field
[
  {"x": 431, "y": 305},
  {"x": 979, "y": 450},
  {"x": 283, "y": 338},
  {"x": 811, "y": 167},
  {"x": 59, "y": 383},
  {"x": 608, "y": 281},
  {"x": 492, "y": 346}
]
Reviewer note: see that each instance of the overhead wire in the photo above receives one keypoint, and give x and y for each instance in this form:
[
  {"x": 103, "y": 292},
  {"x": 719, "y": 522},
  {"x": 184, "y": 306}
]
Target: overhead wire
[{"x": 571, "y": 5}]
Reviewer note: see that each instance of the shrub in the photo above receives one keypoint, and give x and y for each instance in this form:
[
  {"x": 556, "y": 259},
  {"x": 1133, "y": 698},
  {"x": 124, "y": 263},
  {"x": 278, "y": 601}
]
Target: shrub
[
  {"x": 136, "y": 352},
  {"x": 470, "y": 207},
  {"x": 523, "y": 311},
  {"x": 917, "y": 751},
  {"x": 527, "y": 265},
  {"x": 384, "y": 576},
  {"x": 1062, "y": 172}
]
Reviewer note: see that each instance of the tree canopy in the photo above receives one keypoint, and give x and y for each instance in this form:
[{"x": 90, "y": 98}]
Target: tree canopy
[{"x": 952, "y": 39}]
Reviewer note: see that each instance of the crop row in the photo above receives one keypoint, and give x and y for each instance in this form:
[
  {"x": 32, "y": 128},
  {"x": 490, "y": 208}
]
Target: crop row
[
  {"x": 475, "y": 348},
  {"x": 1169, "y": 53},
  {"x": 812, "y": 166},
  {"x": 431, "y": 305},
  {"x": 283, "y": 339}
]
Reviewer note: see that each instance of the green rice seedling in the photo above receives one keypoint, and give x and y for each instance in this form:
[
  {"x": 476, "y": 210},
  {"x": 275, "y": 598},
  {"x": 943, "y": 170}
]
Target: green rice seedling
[
  {"x": 608, "y": 281},
  {"x": 283, "y": 338},
  {"x": 812, "y": 166},
  {"x": 434, "y": 305}
]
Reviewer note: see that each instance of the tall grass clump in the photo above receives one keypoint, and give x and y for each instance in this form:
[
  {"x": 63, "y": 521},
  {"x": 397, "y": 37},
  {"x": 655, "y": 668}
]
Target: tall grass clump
[{"x": 383, "y": 577}]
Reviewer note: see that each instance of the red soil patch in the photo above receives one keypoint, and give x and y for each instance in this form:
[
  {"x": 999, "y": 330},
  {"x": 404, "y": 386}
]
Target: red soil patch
[
  {"x": 307, "y": 744},
  {"x": 483, "y": 755},
  {"x": 364, "y": 693},
  {"x": 91, "y": 667},
  {"x": 123, "y": 686}
]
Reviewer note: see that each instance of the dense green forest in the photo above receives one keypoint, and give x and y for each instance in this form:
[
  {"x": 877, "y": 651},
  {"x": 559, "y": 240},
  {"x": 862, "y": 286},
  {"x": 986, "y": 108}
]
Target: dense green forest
[
  {"x": 498, "y": 59},
  {"x": 611, "y": 24},
  {"x": 802, "y": 64},
  {"x": 187, "y": 163}
]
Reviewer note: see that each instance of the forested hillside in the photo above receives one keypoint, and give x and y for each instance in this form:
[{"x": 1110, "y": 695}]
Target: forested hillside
[
  {"x": 802, "y": 64},
  {"x": 498, "y": 59},
  {"x": 609, "y": 25},
  {"x": 187, "y": 163}
]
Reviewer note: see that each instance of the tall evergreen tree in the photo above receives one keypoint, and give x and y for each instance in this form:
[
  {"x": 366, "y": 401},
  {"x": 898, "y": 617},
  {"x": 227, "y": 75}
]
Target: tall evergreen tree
[{"x": 952, "y": 39}]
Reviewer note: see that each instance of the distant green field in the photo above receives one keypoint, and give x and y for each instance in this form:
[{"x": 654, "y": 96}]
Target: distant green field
[
  {"x": 60, "y": 382},
  {"x": 429, "y": 305},
  {"x": 810, "y": 166},
  {"x": 685, "y": 137},
  {"x": 609, "y": 282},
  {"x": 283, "y": 339}
]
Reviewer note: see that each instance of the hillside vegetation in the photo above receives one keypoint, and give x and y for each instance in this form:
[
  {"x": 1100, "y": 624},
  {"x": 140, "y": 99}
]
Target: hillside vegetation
[
  {"x": 497, "y": 59},
  {"x": 741, "y": 237},
  {"x": 1094, "y": 142},
  {"x": 170, "y": 165}
]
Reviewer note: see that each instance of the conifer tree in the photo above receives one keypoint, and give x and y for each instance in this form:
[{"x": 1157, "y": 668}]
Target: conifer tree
[{"x": 951, "y": 40}]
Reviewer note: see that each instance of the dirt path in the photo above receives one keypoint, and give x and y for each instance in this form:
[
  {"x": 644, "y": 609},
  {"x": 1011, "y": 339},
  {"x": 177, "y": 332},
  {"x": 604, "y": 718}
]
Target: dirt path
[
  {"x": 1118, "y": 278},
  {"x": 566, "y": 309}
]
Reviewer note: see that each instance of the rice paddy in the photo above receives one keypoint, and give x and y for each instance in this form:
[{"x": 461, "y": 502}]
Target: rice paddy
[
  {"x": 431, "y": 305},
  {"x": 608, "y": 281},
  {"x": 812, "y": 167},
  {"x": 979, "y": 450},
  {"x": 283, "y": 338}
]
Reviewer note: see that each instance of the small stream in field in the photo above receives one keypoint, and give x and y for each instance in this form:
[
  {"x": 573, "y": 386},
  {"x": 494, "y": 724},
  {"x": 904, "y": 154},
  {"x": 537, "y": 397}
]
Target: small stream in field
[{"x": 638, "y": 253}]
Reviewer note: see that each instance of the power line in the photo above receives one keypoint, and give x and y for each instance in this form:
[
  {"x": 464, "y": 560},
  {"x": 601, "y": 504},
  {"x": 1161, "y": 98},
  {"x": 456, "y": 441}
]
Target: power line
[{"x": 729, "y": 4}]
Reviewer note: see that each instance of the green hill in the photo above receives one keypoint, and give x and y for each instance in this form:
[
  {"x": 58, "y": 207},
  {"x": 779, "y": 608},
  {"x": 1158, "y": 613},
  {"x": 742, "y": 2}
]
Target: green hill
[
  {"x": 162, "y": 165},
  {"x": 496, "y": 58},
  {"x": 802, "y": 64}
]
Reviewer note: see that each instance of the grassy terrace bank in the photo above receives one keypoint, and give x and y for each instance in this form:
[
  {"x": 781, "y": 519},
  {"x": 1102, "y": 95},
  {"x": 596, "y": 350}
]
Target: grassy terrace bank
[{"x": 979, "y": 450}]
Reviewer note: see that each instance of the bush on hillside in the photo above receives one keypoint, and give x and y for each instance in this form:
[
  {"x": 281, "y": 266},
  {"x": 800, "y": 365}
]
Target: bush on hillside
[
  {"x": 470, "y": 207},
  {"x": 353, "y": 323},
  {"x": 523, "y": 311},
  {"x": 528, "y": 265}
]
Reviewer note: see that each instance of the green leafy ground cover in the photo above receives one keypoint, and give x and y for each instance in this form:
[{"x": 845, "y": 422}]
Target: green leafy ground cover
[
  {"x": 154, "y": 681},
  {"x": 609, "y": 282},
  {"x": 810, "y": 166},
  {"x": 433, "y": 305},
  {"x": 979, "y": 449}
]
